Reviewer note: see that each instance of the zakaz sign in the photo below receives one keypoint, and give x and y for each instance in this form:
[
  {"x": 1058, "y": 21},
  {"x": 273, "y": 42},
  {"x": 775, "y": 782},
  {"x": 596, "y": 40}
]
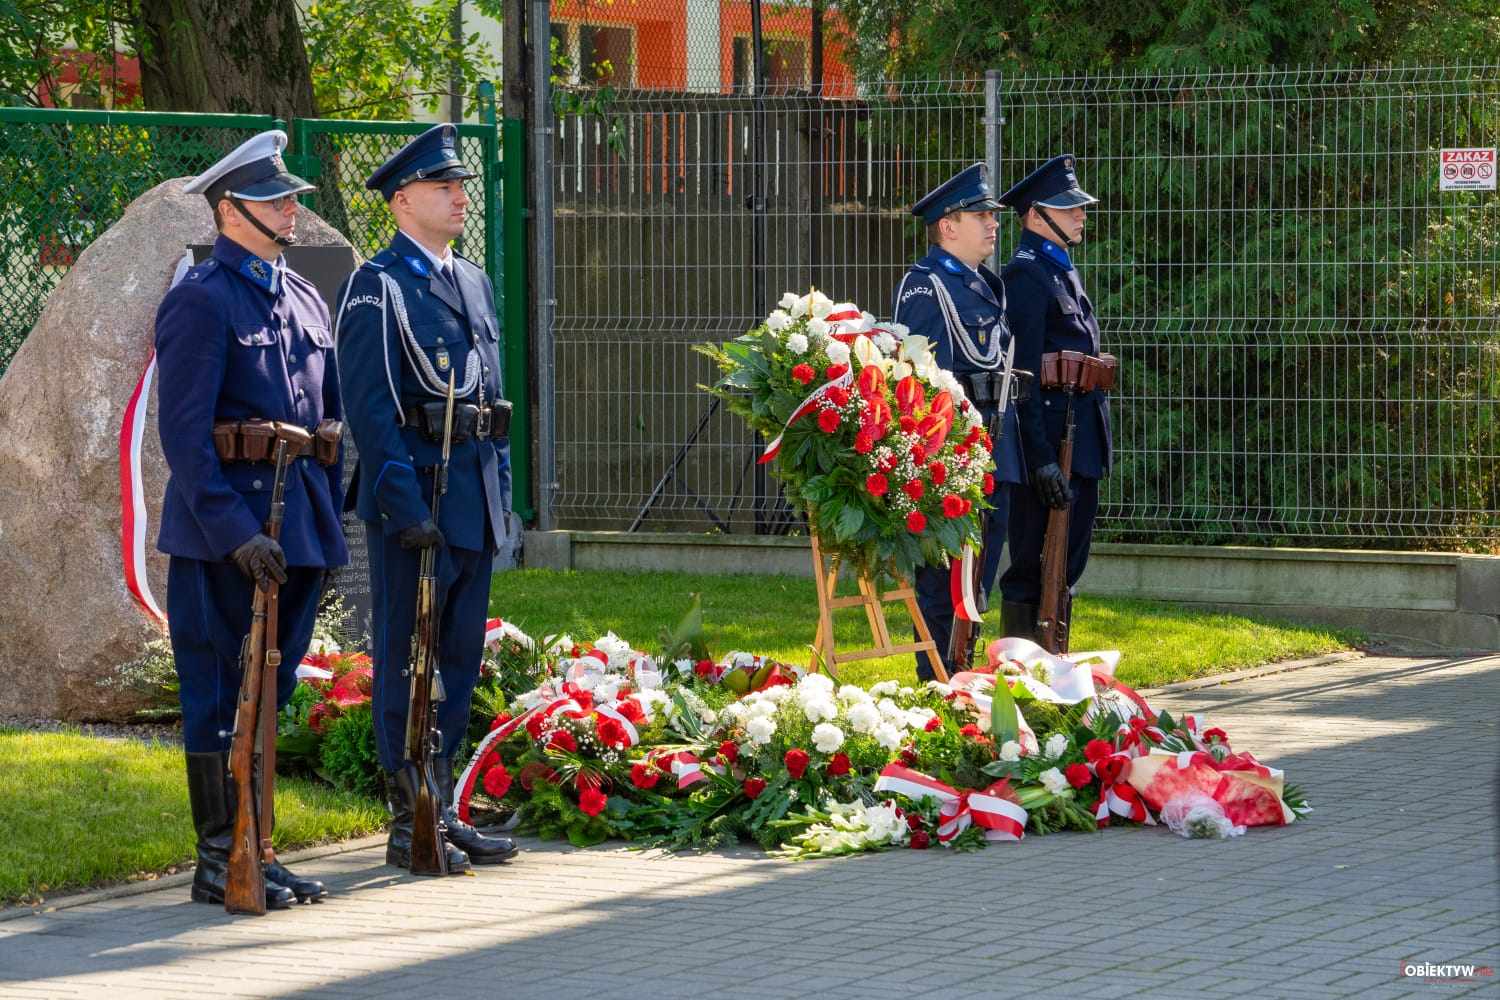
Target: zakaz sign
[{"x": 1470, "y": 169}]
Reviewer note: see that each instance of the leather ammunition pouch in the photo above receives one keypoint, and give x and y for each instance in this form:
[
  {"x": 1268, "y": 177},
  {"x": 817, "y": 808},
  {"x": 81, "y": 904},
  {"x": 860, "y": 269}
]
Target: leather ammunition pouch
[
  {"x": 1075, "y": 371},
  {"x": 255, "y": 441},
  {"x": 984, "y": 388},
  {"x": 483, "y": 423}
]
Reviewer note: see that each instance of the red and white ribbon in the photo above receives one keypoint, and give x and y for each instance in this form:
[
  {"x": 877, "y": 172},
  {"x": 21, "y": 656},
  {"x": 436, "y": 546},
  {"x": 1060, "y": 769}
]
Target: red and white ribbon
[
  {"x": 1118, "y": 798},
  {"x": 961, "y": 586},
  {"x": 631, "y": 736},
  {"x": 803, "y": 408},
  {"x": 470, "y": 775},
  {"x": 133, "y": 519},
  {"x": 685, "y": 767},
  {"x": 999, "y": 818}
]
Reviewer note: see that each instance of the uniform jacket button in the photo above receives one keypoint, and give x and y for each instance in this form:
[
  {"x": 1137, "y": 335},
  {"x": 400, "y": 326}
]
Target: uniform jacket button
[{"x": 255, "y": 485}]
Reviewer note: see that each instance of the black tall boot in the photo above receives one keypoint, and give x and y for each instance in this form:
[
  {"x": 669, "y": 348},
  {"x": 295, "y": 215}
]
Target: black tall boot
[
  {"x": 305, "y": 889},
  {"x": 481, "y": 849},
  {"x": 402, "y": 788},
  {"x": 1018, "y": 619},
  {"x": 211, "y": 796}
]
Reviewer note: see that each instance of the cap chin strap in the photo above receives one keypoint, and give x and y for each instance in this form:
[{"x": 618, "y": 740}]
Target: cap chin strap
[
  {"x": 1053, "y": 226},
  {"x": 285, "y": 241}
]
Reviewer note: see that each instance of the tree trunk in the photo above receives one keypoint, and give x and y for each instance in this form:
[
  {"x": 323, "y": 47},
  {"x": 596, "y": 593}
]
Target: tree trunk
[{"x": 225, "y": 56}]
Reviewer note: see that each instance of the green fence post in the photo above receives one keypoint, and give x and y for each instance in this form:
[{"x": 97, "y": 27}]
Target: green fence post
[{"x": 508, "y": 199}]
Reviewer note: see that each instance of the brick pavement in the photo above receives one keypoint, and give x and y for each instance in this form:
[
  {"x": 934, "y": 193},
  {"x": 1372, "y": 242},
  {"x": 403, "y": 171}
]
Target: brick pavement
[{"x": 1397, "y": 863}]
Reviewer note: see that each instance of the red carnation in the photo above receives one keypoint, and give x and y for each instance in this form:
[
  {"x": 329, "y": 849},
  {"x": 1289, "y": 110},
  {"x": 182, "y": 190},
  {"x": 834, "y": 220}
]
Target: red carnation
[
  {"x": 838, "y": 395},
  {"x": 920, "y": 841},
  {"x": 888, "y": 463},
  {"x": 834, "y": 371},
  {"x": 534, "y": 725},
  {"x": 703, "y": 668},
  {"x": 909, "y": 756},
  {"x": 877, "y": 485},
  {"x": 491, "y": 759},
  {"x": 984, "y": 439},
  {"x": 612, "y": 733},
  {"x": 864, "y": 441},
  {"x": 1210, "y": 735},
  {"x": 1096, "y": 750},
  {"x": 939, "y": 473},
  {"x": 500, "y": 720},
  {"x": 796, "y": 761},
  {"x": 968, "y": 506},
  {"x": 933, "y": 724},
  {"x": 838, "y": 764},
  {"x": 914, "y": 821},
  {"x": 908, "y": 423},
  {"x": 971, "y": 730},
  {"x": 592, "y": 801},
  {"x": 497, "y": 781},
  {"x": 1112, "y": 769},
  {"x": 644, "y": 776},
  {"x": 631, "y": 709},
  {"x": 918, "y": 454},
  {"x": 1078, "y": 775},
  {"x": 916, "y": 522},
  {"x": 913, "y": 488},
  {"x": 804, "y": 373},
  {"x": 753, "y": 787},
  {"x": 828, "y": 421},
  {"x": 953, "y": 506},
  {"x": 989, "y": 483},
  {"x": 729, "y": 751},
  {"x": 562, "y": 740},
  {"x": 973, "y": 434}
]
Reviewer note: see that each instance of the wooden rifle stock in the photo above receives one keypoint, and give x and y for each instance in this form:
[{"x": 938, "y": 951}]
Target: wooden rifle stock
[
  {"x": 255, "y": 715},
  {"x": 429, "y": 856},
  {"x": 1055, "y": 607}
]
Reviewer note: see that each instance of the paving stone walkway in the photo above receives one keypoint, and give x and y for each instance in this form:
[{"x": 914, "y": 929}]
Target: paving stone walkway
[{"x": 1398, "y": 864}]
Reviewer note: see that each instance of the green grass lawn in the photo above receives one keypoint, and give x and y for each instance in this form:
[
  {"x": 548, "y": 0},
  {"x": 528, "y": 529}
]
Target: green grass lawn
[
  {"x": 777, "y": 616},
  {"x": 80, "y": 811}
]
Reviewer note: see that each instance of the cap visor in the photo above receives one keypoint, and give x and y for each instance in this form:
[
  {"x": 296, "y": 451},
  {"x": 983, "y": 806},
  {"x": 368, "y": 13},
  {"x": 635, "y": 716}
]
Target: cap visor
[
  {"x": 1068, "y": 199},
  {"x": 456, "y": 172},
  {"x": 274, "y": 187}
]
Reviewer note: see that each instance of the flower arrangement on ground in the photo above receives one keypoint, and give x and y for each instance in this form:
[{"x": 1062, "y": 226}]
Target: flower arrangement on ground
[{"x": 878, "y": 444}]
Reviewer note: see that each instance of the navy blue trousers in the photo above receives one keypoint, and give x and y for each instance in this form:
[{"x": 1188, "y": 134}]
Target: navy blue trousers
[
  {"x": 208, "y": 617},
  {"x": 933, "y": 583},
  {"x": 463, "y": 601},
  {"x": 1022, "y": 581}
]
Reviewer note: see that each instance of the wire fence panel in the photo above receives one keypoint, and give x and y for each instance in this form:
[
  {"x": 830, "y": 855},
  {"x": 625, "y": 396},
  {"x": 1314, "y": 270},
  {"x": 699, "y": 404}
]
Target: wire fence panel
[
  {"x": 1306, "y": 324},
  {"x": 68, "y": 175}
]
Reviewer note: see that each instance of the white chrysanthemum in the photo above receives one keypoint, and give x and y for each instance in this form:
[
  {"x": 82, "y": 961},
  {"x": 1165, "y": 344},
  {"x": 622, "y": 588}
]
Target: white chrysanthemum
[
  {"x": 778, "y": 321},
  {"x": 789, "y": 299},
  {"x": 838, "y": 352},
  {"x": 820, "y": 684},
  {"x": 762, "y": 707},
  {"x": 760, "y": 730},
  {"x": 797, "y": 309},
  {"x": 1053, "y": 780},
  {"x": 741, "y": 659},
  {"x": 866, "y": 321},
  {"x": 888, "y": 736},
  {"x": 819, "y": 709},
  {"x": 820, "y": 305},
  {"x": 1010, "y": 751},
  {"x": 651, "y": 697},
  {"x": 939, "y": 688},
  {"x": 885, "y": 342},
  {"x": 606, "y": 690},
  {"x": 817, "y": 327},
  {"x": 864, "y": 717},
  {"x": 899, "y": 330},
  {"x": 647, "y": 679},
  {"x": 907, "y": 691},
  {"x": 617, "y": 649},
  {"x": 776, "y": 694},
  {"x": 1056, "y": 744},
  {"x": 884, "y": 689},
  {"x": 850, "y": 694},
  {"x": 891, "y": 712},
  {"x": 917, "y": 718},
  {"x": 797, "y": 343},
  {"x": 733, "y": 713},
  {"x": 827, "y": 737}
]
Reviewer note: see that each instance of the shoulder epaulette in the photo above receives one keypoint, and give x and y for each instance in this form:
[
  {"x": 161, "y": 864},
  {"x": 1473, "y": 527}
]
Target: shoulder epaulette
[{"x": 382, "y": 260}]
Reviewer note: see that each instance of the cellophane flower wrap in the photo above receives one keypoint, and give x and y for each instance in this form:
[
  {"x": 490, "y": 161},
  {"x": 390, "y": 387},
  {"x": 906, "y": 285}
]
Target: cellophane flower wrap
[{"x": 879, "y": 446}]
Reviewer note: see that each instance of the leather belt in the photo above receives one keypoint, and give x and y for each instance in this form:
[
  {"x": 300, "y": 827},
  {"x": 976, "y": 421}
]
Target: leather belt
[
  {"x": 984, "y": 388},
  {"x": 1075, "y": 371},
  {"x": 255, "y": 441},
  {"x": 483, "y": 423}
]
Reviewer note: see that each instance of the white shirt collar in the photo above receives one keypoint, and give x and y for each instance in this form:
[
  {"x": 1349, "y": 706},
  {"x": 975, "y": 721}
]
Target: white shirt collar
[{"x": 437, "y": 262}]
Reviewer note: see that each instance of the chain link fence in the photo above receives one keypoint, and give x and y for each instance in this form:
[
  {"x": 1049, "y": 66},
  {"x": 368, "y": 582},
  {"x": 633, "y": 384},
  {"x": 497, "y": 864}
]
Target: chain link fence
[
  {"x": 1306, "y": 323},
  {"x": 68, "y": 175}
]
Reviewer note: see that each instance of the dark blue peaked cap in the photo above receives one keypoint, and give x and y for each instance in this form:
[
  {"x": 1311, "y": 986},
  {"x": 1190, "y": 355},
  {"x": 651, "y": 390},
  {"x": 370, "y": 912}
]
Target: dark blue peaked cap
[
  {"x": 1052, "y": 185},
  {"x": 966, "y": 191},
  {"x": 431, "y": 156}
]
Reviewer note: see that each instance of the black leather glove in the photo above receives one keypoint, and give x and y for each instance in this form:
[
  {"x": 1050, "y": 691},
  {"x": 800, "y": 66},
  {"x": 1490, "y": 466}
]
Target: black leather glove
[
  {"x": 1051, "y": 485},
  {"x": 420, "y": 536},
  {"x": 262, "y": 560}
]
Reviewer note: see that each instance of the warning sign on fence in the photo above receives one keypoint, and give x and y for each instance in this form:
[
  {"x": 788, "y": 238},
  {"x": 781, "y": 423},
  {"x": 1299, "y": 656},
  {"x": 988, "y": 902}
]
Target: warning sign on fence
[{"x": 1467, "y": 170}]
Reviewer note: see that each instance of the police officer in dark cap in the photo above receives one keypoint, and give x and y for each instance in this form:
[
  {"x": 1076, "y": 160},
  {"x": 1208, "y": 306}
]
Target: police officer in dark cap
[
  {"x": 1049, "y": 312},
  {"x": 408, "y": 318},
  {"x": 956, "y": 302},
  {"x": 241, "y": 341}
]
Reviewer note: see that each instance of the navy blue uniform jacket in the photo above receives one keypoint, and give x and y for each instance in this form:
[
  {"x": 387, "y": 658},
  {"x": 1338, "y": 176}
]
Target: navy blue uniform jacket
[
  {"x": 392, "y": 488},
  {"x": 230, "y": 348},
  {"x": 979, "y": 301},
  {"x": 1048, "y": 312}
]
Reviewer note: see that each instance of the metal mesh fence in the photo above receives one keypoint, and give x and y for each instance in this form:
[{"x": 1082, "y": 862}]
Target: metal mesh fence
[
  {"x": 1306, "y": 324},
  {"x": 67, "y": 176}
]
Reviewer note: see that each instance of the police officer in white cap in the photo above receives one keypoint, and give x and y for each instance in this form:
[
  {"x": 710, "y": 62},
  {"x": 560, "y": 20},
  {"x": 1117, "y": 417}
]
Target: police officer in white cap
[{"x": 242, "y": 340}]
